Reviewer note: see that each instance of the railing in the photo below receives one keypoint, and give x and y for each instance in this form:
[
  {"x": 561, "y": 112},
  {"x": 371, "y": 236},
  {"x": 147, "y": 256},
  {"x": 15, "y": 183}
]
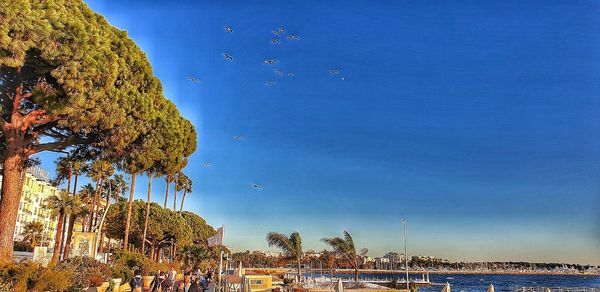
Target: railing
[{"x": 556, "y": 289}]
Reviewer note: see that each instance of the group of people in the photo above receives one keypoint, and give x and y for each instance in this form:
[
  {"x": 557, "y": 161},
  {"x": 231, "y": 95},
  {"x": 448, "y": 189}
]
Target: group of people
[{"x": 165, "y": 281}]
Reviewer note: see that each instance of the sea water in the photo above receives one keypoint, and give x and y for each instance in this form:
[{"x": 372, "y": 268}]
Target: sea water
[{"x": 480, "y": 282}]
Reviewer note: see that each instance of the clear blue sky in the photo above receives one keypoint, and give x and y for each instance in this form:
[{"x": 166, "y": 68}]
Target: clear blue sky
[{"x": 480, "y": 122}]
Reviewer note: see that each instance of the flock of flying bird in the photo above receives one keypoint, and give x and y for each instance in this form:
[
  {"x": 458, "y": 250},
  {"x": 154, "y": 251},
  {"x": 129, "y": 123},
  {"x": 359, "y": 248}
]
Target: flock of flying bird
[{"x": 279, "y": 33}]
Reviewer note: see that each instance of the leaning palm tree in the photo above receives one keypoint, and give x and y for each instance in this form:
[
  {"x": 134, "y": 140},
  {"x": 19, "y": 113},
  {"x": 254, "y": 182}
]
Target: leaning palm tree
[
  {"x": 32, "y": 232},
  {"x": 60, "y": 205},
  {"x": 185, "y": 184},
  {"x": 290, "y": 246},
  {"x": 345, "y": 247}
]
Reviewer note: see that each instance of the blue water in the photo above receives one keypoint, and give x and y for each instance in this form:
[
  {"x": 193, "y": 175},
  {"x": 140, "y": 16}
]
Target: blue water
[{"x": 468, "y": 283}]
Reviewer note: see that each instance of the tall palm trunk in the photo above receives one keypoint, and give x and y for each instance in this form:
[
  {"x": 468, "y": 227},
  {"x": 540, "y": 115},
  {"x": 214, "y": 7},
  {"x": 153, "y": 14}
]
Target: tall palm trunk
[
  {"x": 175, "y": 194},
  {"x": 182, "y": 199},
  {"x": 64, "y": 230},
  {"x": 71, "y": 224},
  {"x": 167, "y": 191},
  {"x": 299, "y": 269},
  {"x": 95, "y": 201},
  {"x": 131, "y": 192},
  {"x": 147, "y": 214},
  {"x": 58, "y": 239}
]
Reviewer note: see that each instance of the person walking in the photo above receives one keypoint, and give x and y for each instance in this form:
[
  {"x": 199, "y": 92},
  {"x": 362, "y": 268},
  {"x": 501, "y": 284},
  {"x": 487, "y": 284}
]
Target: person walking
[
  {"x": 136, "y": 282},
  {"x": 171, "y": 276},
  {"x": 187, "y": 285},
  {"x": 158, "y": 282}
]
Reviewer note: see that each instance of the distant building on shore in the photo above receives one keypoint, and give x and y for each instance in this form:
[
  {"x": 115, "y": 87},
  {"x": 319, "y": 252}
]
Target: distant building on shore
[{"x": 36, "y": 189}]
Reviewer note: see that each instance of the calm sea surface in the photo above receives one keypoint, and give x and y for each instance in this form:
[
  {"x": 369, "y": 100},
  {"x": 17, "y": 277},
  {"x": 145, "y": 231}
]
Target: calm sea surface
[{"x": 469, "y": 283}]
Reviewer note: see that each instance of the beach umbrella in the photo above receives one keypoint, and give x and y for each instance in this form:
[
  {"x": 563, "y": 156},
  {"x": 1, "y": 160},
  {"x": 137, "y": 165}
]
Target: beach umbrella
[
  {"x": 339, "y": 287},
  {"x": 491, "y": 288},
  {"x": 446, "y": 287}
]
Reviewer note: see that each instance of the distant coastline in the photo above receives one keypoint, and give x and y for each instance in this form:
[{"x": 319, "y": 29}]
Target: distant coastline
[{"x": 419, "y": 272}]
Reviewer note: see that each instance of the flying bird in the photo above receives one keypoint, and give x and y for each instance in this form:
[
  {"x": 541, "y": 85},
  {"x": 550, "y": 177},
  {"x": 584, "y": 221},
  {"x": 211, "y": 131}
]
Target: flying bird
[
  {"x": 277, "y": 72},
  {"x": 334, "y": 71},
  {"x": 270, "y": 83},
  {"x": 228, "y": 28},
  {"x": 271, "y": 61},
  {"x": 275, "y": 41},
  {"x": 228, "y": 56},
  {"x": 291, "y": 74},
  {"x": 257, "y": 187},
  {"x": 278, "y": 31},
  {"x": 238, "y": 138},
  {"x": 193, "y": 79},
  {"x": 207, "y": 164},
  {"x": 293, "y": 37}
]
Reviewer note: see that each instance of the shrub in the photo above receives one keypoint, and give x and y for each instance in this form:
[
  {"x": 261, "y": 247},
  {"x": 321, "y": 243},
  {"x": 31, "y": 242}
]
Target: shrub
[
  {"x": 122, "y": 272},
  {"x": 88, "y": 272},
  {"x": 135, "y": 261},
  {"x": 29, "y": 276}
]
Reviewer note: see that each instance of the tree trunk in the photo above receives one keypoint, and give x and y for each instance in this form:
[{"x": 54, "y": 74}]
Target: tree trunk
[
  {"x": 72, "y": 219},
  {"x": 175, "y": 194},
  {"x": 11, "y": 196},
  {"x": 167, "y": 191},
  {"x": 131, "y": 192},
  {"x": 93, "y": 206},
  {"x": 182, "y": 199},
  {"x": 299, "y": 272},
  {"x": 147, "y": 214},
  {"x": 75, "y": 184},
  {"x": 58, "y": 239},
  {"x": 98, "y": 202},
  {"x": 101, "y": 245}
]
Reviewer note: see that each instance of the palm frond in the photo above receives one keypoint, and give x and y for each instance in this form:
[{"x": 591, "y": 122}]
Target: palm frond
[{"x": 281, "y": 241}]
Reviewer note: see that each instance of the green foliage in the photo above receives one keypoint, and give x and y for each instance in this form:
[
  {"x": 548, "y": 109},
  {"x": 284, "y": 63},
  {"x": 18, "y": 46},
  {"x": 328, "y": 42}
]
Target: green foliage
[
  {"x": 192, "y": 256},
  {"x": 134, "y": 262},
  {"x": 291, "y": 246},
  {"x": 29, "y": 276},
  {"x": 121, "y": 271},
  {"x": 87, "y": 272},
  {"x": 201, "y": 231}
]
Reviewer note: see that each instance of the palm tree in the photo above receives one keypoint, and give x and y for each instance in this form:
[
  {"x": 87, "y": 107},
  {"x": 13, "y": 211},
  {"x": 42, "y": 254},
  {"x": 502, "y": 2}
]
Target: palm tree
[
  {"x": 185, "y": 184},
  {"x": 79, "y": 210},
  {"x": 345, "y": 247},
  {"x": 290, "y": 246},
  {"x": 86, "y": 195},
  {"x": 60, "y": 205},
  {"x": 32, "y": 232},
  {"x": 64, "y": 171},
  {"x": 192, "y": 255},
  {"x": 98, "y": 171}
]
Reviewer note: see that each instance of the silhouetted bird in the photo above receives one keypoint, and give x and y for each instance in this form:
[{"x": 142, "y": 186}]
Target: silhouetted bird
[
  {"x": 270, "y": 83},
  {"x": 238, "y": 138},
  {"x": 193, "y": 79},
  {"x": 228, "y": 56},
  {"x": 271, "y": 61},
  {"x": 277, "y": 72},
  {"x": 291, "y": 74},
  {"x": 278, "y": 31},
  {"x": 228, "y": 28},
  {"x": 257, "y": 187},
  {"x": 293, "y": 37},
  {"x": 275, "y": 41},
  {"x": 334, "y": 71},
  {"x": 207, "y": 164}
]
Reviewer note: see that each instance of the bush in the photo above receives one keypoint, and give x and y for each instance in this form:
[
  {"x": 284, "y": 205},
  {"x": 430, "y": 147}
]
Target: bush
[
  {"x": 29, "y": 276},
  {"x": 122, "y": 272},
  {"x": 135, "y": 261},
  {"x": 88, "y": 272},
  {"x": 23, "y": 246}
]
